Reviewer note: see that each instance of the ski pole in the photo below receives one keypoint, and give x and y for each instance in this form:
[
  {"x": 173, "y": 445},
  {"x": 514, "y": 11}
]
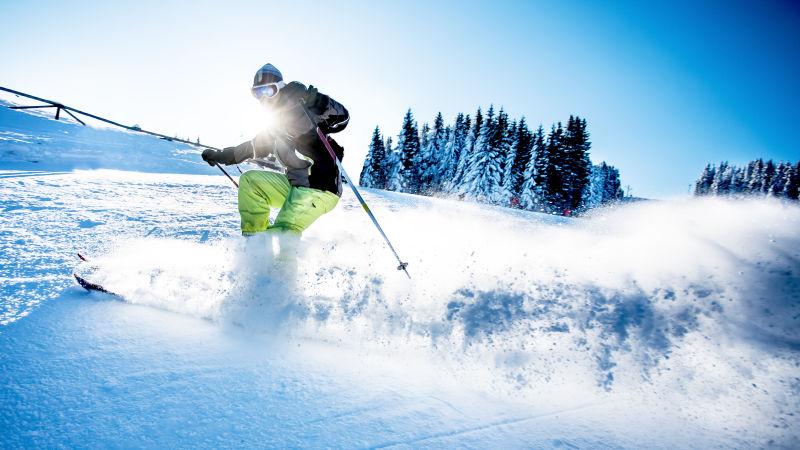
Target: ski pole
[
  {"x": 403, "y": 265},
  {"x": 226, "y": 172},
  {"x": 69, "y": 110}
]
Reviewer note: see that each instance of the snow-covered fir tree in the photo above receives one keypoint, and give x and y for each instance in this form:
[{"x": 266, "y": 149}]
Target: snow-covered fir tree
[
  {"x": 768, "y": 175},
  {"x": 778, "y": 186},
  {"x": 703, "y": 184},
  {"x": 453, "y": 149},
  {"x": 577, "y": 165},
  {"x": 471, "y": 172},
  {"x": 422, "y": 163},
  {"x": 535, "y": 176},
  {"x": 504, "y": 142},
  {"x": 484, "y": 170},
  {"x": 612, "y": 189},
  {"x": 739, "y": 182},
  {"x": 516, "y": 165},
  {"x": 793, "y": 185},
  {"x": 756, "y": 181},
  {"x": 723, "y": 178},
  {"x": 604, "y": 187},
  {"x": 408, "y": 147},
  {"x": 431, "y": 154},
  {"x": 508, "y": 154},
  {"x": 747, "y": 175},
  {"x": 393, "y": 167},
  {"x": 372, "y": 174},
  {"x": 555, "y": 171},
  {"x": 441, "y": 178},
  {"x": 469, "y": 148}
]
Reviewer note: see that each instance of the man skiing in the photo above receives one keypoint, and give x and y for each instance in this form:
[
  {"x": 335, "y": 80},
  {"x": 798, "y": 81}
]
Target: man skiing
[{"x": 310, "y": 183}]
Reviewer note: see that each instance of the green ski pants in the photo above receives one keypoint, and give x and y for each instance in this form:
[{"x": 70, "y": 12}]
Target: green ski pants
[{"x": 299, "y": 206}]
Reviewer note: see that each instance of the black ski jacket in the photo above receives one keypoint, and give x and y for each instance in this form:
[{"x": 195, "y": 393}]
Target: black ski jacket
[{"x": 292, "y": 143}]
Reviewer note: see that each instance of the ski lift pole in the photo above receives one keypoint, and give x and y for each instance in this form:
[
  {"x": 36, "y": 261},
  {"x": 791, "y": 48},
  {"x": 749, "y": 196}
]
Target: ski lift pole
[
  {"x": 402, "y": 265},
  {"x": 69, "y": 110}
]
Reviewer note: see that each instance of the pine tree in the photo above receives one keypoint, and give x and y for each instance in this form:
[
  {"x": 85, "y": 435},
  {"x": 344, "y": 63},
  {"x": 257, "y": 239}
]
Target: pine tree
[
  {"x": 597, "y": 185},
  {"x": 378, "y": 161},
  {"x": 703, "y": 184},
  {"x": 768, "y": 175},
  {"x": 466, "y": 154},
  {"x": 613, "y": 186},
  {"x": 535, "y": 175},
  {"x": 747, "y": 175},
  {"x": 778, "y": 186},
  {"x": 605, "y": 185},
  {"x": 793, "y": 185},
  {"x": 422, "y": 162},
  {"x": 432, "y": 153},
  {"x": 500, "y": 146},
  {"x": 365, "y": 179},
  {"x": 756, "y": 182},
  {"x": 371, "y": 173},
  {"x": 393, "y": 167},
  {"x": 576, "y": 167},
  {"x": 553, "y": 191},
  {"x": 482, "y": 178},
  {"x": 583, "y": 163},
  {"x": 424, "y": 135},
  {"x": 472, "y": 171},
  {"x": 738, "y": 183},
  {"x": 507, "y": 180},
  {"x": 452, "y": 152},
  {"x": 788, "y": 173},
  {"x": 523, "y": 143},
  {"x": 722, "y": 179},
  {"x": 442, "y": 178},
  {"x": 507, "y": 155},
  {"x": 408, "y": 146}
]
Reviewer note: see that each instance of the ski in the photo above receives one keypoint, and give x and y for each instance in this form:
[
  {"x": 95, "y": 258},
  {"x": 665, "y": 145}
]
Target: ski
[{"x": 89, "y": 286}]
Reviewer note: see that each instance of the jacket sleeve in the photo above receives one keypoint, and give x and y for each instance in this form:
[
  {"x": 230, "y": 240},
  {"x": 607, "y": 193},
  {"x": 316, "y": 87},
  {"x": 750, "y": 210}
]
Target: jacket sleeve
[
  {"x": 261, "y": 146},
  {"x": 332, "y": 116}
]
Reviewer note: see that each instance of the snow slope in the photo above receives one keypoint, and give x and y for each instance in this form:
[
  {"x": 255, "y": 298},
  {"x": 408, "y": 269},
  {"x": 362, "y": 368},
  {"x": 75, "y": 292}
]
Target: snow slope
[
  {"x": 36, "y": 141},
  {"x": 661, "y": 324}
]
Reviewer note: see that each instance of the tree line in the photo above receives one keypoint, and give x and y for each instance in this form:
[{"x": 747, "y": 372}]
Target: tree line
[
  {"x": 492, "y": 159},
  {"x": 757, "y": 178}
]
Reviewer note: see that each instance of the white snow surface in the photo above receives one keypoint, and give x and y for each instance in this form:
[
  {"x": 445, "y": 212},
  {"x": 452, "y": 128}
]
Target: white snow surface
[{"x": 652, "y": 325}]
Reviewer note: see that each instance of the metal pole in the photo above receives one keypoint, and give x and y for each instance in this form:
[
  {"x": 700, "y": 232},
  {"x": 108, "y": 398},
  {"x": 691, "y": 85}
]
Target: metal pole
[
  {"x": 60, "y": 106},
  {"x": 226, "y": 174},
  {"x": 403, "y": 265}
]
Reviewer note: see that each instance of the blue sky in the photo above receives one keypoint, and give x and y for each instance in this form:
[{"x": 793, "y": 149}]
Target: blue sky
[{"x": 665, "y": 88}]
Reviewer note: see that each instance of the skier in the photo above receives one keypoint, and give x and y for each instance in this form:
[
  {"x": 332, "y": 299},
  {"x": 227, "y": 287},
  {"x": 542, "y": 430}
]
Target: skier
[{"x": 309, "y": 184}]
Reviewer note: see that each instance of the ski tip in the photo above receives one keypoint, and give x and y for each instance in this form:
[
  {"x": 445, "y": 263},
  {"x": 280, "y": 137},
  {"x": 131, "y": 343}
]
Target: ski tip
[
  {"x": 91, "y": 286},
  {"x": 83, "y": 283},
  {"x": 82, "y": 259}
]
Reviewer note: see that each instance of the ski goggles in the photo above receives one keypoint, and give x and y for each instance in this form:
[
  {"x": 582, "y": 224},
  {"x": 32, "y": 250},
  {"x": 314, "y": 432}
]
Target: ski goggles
[{"x": 267, "y": 90}]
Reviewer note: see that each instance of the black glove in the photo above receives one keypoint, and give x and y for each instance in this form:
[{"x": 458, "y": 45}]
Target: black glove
[
  {"x": 212, "y": 157},
  {"x": 225, "y": 156}
]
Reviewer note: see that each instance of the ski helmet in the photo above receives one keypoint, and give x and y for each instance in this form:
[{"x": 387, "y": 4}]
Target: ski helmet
[{"x": 267, "y": 75}]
